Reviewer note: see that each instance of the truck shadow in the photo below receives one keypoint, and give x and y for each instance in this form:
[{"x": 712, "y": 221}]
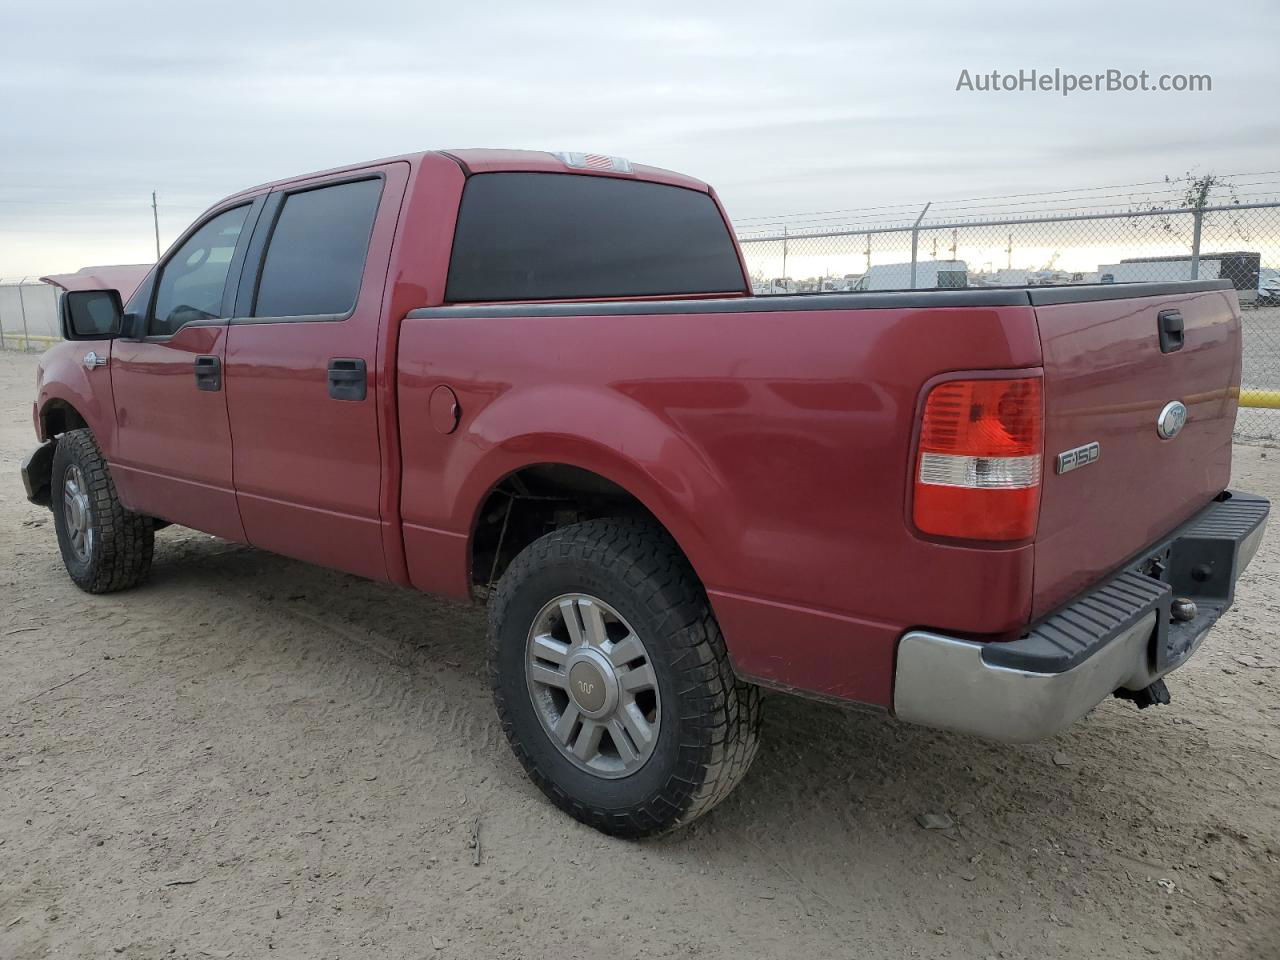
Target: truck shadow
[{"x": 828, "y": 815}]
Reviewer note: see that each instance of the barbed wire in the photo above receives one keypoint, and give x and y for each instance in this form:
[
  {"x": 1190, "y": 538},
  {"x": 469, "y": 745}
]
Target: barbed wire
[{"x": 1256, "y": 185}]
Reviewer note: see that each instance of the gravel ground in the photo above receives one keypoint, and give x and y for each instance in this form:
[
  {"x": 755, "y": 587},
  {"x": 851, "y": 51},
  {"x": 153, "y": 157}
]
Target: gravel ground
[{"x": 251, "y": 754}]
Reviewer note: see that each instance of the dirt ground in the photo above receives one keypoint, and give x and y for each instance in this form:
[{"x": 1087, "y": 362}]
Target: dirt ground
[{"x": 250, "y": 755}]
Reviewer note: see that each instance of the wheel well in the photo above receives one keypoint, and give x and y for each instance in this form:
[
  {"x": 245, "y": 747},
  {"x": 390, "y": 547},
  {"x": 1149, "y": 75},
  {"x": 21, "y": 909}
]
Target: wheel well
[
  {"x": 534, "y": 501},
  {"x": 58, "y": 416}
]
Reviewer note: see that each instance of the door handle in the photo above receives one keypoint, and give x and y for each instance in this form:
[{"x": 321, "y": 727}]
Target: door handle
[
  {"x": 208, "y": 373},
  {"x": 1170, "y": 325},
  {"x": 348, "y": 379}
]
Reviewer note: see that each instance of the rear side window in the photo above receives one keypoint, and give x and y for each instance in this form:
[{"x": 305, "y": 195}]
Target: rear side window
[
  {"x": 550, "y": 236},
  {"x": 317, "y": 251}
]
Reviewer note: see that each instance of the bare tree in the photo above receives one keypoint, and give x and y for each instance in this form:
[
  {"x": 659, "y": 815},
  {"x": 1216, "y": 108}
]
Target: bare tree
[{"x": 1196, "y": 191}]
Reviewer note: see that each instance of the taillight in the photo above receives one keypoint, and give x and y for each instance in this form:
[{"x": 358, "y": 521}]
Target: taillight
[{"x": 978, "y": 464}]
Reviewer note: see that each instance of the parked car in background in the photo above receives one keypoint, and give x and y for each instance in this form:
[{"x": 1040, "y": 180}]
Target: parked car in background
[
  {"x": 540, "y": 380},
  {"x": 1269, "y": 288}
]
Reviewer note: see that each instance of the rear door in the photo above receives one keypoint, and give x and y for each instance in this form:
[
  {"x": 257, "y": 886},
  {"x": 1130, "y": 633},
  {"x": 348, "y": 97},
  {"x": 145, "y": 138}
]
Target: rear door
[
  {"x": 1107, "y": 379},
  {"x": 172, "y": 452},
  {"x": 302, "y": 384}
]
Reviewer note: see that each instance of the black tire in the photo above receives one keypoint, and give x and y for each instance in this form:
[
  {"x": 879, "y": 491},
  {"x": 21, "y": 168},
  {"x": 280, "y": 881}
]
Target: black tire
[
  {"x": 710, "y": 721},
  {"x": 120, "y": 548}
]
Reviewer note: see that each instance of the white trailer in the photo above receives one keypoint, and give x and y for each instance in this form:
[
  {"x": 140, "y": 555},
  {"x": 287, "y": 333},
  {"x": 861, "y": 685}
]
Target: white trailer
[
  {"x": 1007, "y": 277},
  {"x": 929, "y": 274},
  {"x": 1241, "y": 267},
  {"x": 1143, "y": 271}
]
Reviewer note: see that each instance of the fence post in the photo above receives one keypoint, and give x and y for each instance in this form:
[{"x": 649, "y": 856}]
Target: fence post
[
  {"x": 1198, "y": 216},
  {"x": 22, "y": 305},
  {"x": 915, "y": 242},
  {"x": 2, "y": 343},
  {"x": 786, "y": 284}
]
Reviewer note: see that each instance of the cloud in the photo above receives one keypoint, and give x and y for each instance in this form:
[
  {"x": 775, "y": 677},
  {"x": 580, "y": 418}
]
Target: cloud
[{"x": 799, "y": 106}]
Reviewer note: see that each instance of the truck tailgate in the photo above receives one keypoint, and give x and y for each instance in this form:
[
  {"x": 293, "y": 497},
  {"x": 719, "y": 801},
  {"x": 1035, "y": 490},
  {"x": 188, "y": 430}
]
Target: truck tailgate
[{"x": 1106, "y": 381}]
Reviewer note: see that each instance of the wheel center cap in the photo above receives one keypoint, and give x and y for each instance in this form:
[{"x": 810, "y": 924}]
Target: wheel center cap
[{"x": 592, "y": 683}]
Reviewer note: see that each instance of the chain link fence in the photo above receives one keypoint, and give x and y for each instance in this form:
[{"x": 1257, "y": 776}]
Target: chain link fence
[
  {"x": 1236, "y": 241},
  {"x": 28, "y": 314}
]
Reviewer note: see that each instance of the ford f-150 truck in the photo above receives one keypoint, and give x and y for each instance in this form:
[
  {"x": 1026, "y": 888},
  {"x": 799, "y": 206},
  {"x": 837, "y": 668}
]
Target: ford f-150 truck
[{"x": 541, "y": 380}]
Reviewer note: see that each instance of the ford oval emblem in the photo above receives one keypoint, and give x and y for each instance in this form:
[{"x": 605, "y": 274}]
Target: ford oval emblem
[{"x": 1171, "y": 420}]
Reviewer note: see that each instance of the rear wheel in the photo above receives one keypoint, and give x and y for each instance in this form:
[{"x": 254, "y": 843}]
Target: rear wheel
[
  {"x": 612, "y": 680},
  {"x": 104, "y": 546}
]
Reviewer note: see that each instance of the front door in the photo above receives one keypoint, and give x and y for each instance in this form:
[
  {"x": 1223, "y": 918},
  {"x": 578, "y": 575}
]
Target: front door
[
  {"x": 172, "y": 450},
  {"x": 301, "y": 370}
]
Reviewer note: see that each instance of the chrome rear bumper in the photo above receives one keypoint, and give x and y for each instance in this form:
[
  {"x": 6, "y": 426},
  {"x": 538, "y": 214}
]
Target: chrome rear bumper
[{"x": 1119, "y": 635}]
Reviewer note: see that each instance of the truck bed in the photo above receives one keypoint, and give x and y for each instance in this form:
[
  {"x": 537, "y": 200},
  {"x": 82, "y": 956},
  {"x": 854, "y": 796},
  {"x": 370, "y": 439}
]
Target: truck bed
[{"x": 775, "y": 438}]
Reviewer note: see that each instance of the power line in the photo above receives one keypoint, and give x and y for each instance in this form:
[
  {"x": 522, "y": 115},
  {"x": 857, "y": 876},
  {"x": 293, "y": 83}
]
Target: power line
[
  {"x": 1169, "y": 187},
  {"x": 958, "y": 215}
]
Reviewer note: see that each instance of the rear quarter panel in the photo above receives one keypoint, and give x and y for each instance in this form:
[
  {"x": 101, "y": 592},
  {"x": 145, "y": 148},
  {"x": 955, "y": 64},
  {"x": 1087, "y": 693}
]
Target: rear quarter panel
[{"x": 776, "y": 448}]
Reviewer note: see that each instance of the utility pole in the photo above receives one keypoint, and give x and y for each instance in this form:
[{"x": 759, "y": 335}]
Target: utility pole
[
  {"x": 1009, "y": 251},
  {"x": 953, "y": 244},
  {"x": 155, "y": 218}
]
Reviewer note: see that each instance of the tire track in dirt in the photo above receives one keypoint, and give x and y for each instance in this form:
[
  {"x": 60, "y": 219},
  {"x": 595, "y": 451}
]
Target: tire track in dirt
[{"x": 321, "y": 746}]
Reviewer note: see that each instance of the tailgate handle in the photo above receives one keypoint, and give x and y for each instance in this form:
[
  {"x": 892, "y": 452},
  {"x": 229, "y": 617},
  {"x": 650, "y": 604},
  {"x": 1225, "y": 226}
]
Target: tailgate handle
[{"x": 1170, "y": 323}]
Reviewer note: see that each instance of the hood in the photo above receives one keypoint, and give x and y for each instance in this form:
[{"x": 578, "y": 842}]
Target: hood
[{"x": 123, "y": 278}]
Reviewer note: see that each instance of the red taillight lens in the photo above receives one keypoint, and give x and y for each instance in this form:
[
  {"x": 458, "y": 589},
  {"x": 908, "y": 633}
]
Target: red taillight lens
[{"x": 978, "y": 465}]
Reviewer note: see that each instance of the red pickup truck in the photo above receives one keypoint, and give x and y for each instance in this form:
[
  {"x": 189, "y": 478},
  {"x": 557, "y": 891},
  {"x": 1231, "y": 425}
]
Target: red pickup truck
[{"x": 540, "y": 379}]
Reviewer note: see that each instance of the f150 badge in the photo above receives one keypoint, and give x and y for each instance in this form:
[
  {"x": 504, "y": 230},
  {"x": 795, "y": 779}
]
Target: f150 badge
[{"x": 1069, "y": 460}]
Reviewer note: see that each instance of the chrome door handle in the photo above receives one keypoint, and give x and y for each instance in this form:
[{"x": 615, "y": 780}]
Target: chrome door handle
[{"x": 91, "y": 360}]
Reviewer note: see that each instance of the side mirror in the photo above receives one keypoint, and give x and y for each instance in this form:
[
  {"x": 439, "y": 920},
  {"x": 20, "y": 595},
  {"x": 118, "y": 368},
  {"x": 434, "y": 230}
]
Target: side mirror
[{"x": 91, "y": 314}]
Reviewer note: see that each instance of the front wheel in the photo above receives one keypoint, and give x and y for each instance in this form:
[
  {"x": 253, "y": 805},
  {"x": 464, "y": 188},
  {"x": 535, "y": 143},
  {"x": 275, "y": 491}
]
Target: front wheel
[
  {"x": 104, "y": 546},
  {"x": 612, "y": 681}
]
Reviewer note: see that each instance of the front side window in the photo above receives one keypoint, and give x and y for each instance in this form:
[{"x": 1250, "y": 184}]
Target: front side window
[
  {"x": 317, "y": 252},
  {"x": 193, "y": 280},
  {"x": 552, "y": 236}
]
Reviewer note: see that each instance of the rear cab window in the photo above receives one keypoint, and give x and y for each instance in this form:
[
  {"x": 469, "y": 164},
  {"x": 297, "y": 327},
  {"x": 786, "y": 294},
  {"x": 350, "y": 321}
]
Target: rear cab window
[{"x": 553, "y": 236}]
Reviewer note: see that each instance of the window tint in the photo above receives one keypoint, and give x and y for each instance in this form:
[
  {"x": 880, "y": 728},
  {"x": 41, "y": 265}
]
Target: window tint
[
  {"x": 316, "y": 256},
  {"x": 549, "y": 236},
  {"x": 192, "y": 281}
]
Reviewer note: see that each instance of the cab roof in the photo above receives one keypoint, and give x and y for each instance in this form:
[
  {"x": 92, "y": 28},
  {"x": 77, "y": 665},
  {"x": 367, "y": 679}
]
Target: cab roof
[{"x": 484, "y": 160}]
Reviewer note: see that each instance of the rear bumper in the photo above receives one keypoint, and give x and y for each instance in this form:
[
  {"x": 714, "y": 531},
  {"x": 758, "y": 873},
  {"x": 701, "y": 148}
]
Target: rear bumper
[{"x": 1118, "y": 635}]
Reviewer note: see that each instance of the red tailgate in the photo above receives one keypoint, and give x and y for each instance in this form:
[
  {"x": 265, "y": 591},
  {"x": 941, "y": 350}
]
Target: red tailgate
[{"x": 1107, "y": 380}]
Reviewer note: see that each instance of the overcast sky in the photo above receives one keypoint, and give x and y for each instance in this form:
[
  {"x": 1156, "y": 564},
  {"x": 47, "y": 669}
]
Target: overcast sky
[{"x": 785, "y": 106}]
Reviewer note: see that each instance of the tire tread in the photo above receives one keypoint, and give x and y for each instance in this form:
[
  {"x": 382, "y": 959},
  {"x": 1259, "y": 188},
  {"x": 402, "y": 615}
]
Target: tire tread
[{"x": 125, "y": 540}]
